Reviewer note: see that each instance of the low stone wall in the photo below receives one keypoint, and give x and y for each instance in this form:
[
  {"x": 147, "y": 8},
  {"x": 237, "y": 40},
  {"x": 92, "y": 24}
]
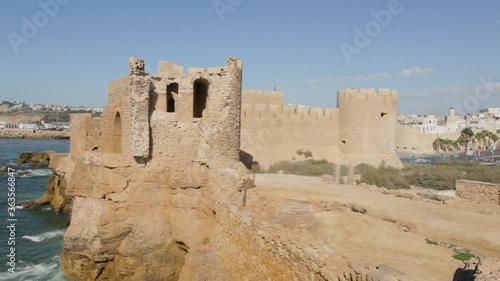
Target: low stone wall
[{"x": 481, "y": 192}]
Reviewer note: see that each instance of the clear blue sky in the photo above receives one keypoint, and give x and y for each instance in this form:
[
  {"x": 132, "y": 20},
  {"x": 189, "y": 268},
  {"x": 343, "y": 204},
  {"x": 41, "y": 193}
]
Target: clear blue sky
[{"x": 433, "y": 52}]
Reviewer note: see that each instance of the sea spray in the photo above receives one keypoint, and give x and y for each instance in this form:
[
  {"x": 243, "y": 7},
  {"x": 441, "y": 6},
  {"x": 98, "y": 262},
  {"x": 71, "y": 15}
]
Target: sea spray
[{"x": 43, "y": 236}]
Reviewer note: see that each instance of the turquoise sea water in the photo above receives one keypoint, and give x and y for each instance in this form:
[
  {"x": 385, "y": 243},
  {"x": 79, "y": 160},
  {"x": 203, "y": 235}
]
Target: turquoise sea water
[{"x": 38, "y": 233}]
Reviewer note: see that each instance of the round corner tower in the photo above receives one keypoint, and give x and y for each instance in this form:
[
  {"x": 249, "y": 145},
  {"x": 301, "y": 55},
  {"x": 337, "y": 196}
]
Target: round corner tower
[{"x": 367, "y": 121}]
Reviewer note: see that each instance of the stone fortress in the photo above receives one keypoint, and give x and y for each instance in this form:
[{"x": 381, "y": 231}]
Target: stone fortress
[
  {"x": 361, "y": 130},
  {"x": 157, "y": 183}
]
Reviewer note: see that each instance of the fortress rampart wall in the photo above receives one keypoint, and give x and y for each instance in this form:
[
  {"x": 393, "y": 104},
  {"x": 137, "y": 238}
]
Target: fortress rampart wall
[
  {"x": 262, "y": 97},
  {"x": 361, "y": 129},
  {"x": 271, "y": 133}
]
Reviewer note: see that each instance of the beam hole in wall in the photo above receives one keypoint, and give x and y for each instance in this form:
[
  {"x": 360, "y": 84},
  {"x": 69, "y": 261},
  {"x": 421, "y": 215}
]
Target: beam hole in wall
[
  {"x": 172, "y": 91},
  {"x": 200, "y": 97},
  {"x": 95, "y": 149},
  {"x": 383, "y": 114},
  {"x": 117, "y": 134},
  {"x": 344, "y": 142}
]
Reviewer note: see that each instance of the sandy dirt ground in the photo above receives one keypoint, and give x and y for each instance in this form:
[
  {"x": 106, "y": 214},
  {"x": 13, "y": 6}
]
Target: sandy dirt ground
[{"x": 370, "y": 227}]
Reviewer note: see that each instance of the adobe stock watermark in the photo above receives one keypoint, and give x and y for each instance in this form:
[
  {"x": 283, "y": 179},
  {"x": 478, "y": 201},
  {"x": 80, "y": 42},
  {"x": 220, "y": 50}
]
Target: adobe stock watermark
[
  {"x": 223, "y": 6},
  {"x": 372, "y": 29},
  {"x": 482, "y": 92},
  {"x": 30, "y": 26}
]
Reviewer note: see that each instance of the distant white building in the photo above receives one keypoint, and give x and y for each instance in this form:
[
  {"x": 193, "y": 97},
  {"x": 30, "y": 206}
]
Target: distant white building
[
  {"x": 30, "y": 126},
  {"x": 494, "y": 110},
  {"x": 429, "y": 124}
]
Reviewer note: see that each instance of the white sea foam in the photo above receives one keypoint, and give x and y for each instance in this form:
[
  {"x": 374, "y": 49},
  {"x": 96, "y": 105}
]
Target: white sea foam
[
  {"x": 19, "y": 207},
  {"x": 43, "y": 236},
  {"x": 28, "y": 173},
  {"x": 29, "y": 272}
]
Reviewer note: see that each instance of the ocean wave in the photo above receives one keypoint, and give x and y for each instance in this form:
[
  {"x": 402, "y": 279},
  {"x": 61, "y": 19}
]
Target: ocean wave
[
  {"x": 30, "y": 272},
  {"x": 43, "y": 236},
  {"x": 28, "y": 173},
  {"x": 19, "y": 207}
]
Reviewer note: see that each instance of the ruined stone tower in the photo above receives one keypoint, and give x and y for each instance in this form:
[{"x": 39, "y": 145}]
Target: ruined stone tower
[
  {"x": 144, "y": 176},
  {"x": 148, "y": 116}
]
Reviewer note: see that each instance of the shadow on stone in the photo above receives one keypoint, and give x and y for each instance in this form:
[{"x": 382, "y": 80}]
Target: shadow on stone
[{"x": 464, "y": 275}]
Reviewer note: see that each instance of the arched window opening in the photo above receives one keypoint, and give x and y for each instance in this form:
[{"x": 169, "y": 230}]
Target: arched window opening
[
  {"x": 200, "y": 96},
  {"x": 172, "y": 90},
  {"x": 117, "y": 134}
]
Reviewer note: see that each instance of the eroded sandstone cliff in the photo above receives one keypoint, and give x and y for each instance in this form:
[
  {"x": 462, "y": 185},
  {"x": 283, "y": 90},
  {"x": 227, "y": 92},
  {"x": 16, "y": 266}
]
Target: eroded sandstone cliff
[{"x": 135, "y": 221}]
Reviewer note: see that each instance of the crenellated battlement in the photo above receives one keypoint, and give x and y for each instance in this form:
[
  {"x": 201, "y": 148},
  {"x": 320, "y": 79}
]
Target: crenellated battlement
[
  {"x": 262, "y": 97},
  {"x": 288, "y": 112},
  {"x": 356, "y": 94},
  {"x": 173, "y": 70}
]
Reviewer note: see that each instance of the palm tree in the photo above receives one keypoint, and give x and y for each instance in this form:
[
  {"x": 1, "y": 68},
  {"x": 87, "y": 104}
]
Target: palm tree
[
  {"x": 466, "y": 136},
  {"x": 490, "y": 139},
  {"x": 454, "y": 146},
  {"x": 436, "y": 144},
  {"x": 481, "y": 139}
]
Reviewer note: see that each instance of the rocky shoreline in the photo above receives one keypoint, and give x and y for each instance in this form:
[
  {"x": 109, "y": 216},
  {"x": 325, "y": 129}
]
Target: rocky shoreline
[
  {"x": 33, "y": 134},
  {"x": 55, "y": 194}
]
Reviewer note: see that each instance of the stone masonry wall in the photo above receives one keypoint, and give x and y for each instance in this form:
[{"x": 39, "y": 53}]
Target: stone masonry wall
[
  {"x": 271, "y": 133},
  {"x": 481, "y": 192},
  {"x": 361, "y": 130},
  {"x": 118, "y": 102},
  {"x": 367, "y": 126}
]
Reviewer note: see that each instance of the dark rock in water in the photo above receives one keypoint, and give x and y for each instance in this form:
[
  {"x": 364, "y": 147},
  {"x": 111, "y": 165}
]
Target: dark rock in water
[
  {"x": 36, "y": 159},
  {"x": 55, "y": 195},
  {"x": 22, "y": 173}
]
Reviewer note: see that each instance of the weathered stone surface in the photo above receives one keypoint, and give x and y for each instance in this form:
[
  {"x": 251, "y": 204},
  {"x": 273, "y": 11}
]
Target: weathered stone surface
[
  {"x": 481, "y": 192},
  {"x": 140, "y": 115},
  {"x": 55, "y": 195}
]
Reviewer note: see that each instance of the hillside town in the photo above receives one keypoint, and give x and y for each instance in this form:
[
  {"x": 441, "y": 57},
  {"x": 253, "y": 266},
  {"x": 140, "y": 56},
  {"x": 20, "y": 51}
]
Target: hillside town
[
  {"x": 24, "y": 116},
  {"x": 487, "y": 119},
  {"x": 469, "y": 135}
]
